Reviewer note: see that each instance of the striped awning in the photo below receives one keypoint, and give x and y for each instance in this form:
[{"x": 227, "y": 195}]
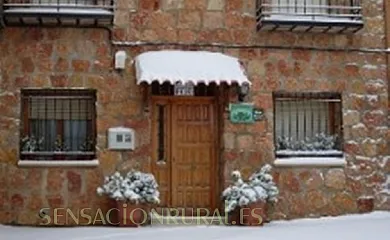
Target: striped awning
[{"x": 189, "y": 66}]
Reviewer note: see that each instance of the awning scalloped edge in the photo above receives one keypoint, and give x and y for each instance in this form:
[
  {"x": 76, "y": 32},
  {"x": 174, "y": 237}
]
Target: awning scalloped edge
[{"x": 189, "y": 66}]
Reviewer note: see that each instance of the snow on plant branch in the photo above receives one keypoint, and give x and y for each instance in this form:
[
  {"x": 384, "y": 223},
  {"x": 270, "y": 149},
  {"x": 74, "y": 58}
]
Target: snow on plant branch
[
  {"x": 135, "y": 187},
  {"x": 318, "y": 142},
  {"x": 260, "y": 187}
]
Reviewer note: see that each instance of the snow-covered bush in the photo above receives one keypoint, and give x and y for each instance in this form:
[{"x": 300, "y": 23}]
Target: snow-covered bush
[
  {"x": 263, "y": 178},
  {"x": 260, "y": 187},
  {"x": 240, "y": 194},
  {"x": 31, "y": 144},
  {"x": 318, "y": 142},
  {"x": 135, "y": 187}
]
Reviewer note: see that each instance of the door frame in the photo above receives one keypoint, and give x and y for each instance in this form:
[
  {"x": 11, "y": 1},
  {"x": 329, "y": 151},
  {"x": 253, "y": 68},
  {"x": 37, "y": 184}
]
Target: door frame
[{"x": 215, "y": 184}]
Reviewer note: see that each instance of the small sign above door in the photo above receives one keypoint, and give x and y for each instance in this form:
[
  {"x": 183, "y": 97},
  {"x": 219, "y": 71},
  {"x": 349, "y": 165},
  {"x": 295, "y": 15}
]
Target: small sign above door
[{"x": 186, "y": 89}]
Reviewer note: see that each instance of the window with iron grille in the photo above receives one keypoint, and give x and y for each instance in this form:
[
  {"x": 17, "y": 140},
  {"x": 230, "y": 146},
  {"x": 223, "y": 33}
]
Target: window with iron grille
[
  {"x": 327, "y": 16},
  {"x": 308, "y": 124},
  {"x": 58, "y": 124},
  {"x": 312, "y": 8}
]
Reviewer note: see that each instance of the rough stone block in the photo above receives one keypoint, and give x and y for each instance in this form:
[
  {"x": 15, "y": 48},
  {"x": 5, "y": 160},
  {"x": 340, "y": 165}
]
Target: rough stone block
[
  {"x": 311, "y": 179},
  {"x": 80, "y": 65},
  {"x": 17, "y": 201},
  {"x": 55, "y": 201},
  {"x": 234, "y": 5},
  {"x": 335, "y": 178},
  {"x": 189, "y": 19},
  {"x": 55, "y": 180},
  {"x": 351, "y": 118},
  {"x": 27, "y": 65},
  {"x": 150, "y": 5},
  {"x": 315, "y": 200},
  {"x": 74, "y": 181},
  {"x": 186, "y": 36},
  {"x": 365, "y": 204},
  {"x": 122, "y": 18},
  {"x": 173, "y": 4},
  {"x": 245, "y": 142},
  {"x": 215, "y": 5},
  {"x": 195, "y": 4},
  {"x": 288, "y": 181},
  {"x": 59, "y": 80},
  {"x": 345, "y": 202},
  {"x": 213, "y": 20}
]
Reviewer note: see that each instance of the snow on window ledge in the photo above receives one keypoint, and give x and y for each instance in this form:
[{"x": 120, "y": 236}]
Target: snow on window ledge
[
  {"x": 310, "y": 161},
  {"x": 319, "y": 19},
  {"x": 321, "y": 153},
  {"x": 56, "y": 163}
]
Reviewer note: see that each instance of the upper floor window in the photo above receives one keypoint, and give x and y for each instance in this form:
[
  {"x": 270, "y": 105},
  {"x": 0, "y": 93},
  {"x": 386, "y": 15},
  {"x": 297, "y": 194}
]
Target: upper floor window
[
  {"x": 299, "y": 7},
  {"x": 57, "y": 12},
  {"x": 58, "y": 125},
  {"x": 308, "y": 124},
  {"x": 310, "y": 15}
]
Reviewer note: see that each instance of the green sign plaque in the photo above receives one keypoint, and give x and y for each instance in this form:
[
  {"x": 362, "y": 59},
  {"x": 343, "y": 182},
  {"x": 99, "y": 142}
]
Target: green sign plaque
[{"x": 241, "y": 113}]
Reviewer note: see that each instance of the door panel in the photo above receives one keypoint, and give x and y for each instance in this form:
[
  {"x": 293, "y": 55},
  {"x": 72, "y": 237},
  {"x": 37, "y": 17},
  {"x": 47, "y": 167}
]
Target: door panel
[
  {"x": 193, "y": 154},
  {"x": 191, "y": 157},
  {"x": 161, "y": 147}
]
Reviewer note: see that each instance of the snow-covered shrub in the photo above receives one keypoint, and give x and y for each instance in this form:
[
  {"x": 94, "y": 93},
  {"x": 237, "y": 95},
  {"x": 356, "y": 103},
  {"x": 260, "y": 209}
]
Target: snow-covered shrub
[
  {"x": 135, "y": 187},
  {"x": 318, "y": 142},
  {"x": 240, "y": 194},
  {"x": 263, "y": 178},
  {"x": 31, "y": 144},
  {"x": 260, "y": 187}
]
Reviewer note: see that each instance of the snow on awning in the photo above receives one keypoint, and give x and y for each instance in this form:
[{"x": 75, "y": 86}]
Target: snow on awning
[{"x": 189, "y": 66}]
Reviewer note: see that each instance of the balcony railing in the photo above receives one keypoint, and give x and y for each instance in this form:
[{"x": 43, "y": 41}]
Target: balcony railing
[
  {"x": 337, "y": 16},
  {"x": 58, "y": 12}
]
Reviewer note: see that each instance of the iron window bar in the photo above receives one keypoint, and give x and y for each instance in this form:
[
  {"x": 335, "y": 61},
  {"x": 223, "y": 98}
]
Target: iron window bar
[
  {"x": 58, "y": 12},
  {"x": 60, "y": 4},
  {"x": 58, "y": 124},
  {"x": 308, "y": 14},
  {"x": 306, "y": 121},
  {"x": 59, "y": 153}
]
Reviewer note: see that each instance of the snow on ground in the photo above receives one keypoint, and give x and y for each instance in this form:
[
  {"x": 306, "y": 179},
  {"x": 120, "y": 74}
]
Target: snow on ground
[{"x": 375, "y": 225}]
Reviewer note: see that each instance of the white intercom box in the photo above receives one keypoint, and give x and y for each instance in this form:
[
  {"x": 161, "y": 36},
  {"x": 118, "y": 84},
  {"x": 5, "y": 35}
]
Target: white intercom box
[{"x": 121, "y": 138}]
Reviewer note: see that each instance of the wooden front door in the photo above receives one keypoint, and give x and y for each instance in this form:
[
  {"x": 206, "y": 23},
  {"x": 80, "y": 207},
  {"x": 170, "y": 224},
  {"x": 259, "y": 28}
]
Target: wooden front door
[{"x": 184, "y": 146}]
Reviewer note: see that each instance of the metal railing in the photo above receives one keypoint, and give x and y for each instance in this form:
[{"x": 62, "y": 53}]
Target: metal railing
[
  {"x": 59, "y": 4},
  {"x": 312, "y": 10},
  {"x": 58, "y": 123},
  {"x": 308, "y": 124}
]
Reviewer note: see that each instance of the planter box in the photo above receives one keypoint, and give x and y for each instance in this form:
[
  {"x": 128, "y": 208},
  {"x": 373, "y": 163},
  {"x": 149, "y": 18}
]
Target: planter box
[
  {"x": 365, "y": 205},
  {"x": 254, "y": 214},
  {"x": 133, "y": 215},
  {"x": 234, "y": 217}
]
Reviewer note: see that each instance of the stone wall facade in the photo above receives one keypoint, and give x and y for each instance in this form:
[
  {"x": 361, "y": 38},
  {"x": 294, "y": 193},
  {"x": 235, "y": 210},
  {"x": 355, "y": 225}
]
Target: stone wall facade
[
  {"x": 305, "y": 62},
  {"x": 387, "y": 13}
]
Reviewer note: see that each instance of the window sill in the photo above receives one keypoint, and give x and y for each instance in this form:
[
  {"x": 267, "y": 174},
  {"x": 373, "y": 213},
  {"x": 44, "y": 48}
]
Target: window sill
[
  {"x": 310, "y": 162},
  {"x": 56, "y": 163}
]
